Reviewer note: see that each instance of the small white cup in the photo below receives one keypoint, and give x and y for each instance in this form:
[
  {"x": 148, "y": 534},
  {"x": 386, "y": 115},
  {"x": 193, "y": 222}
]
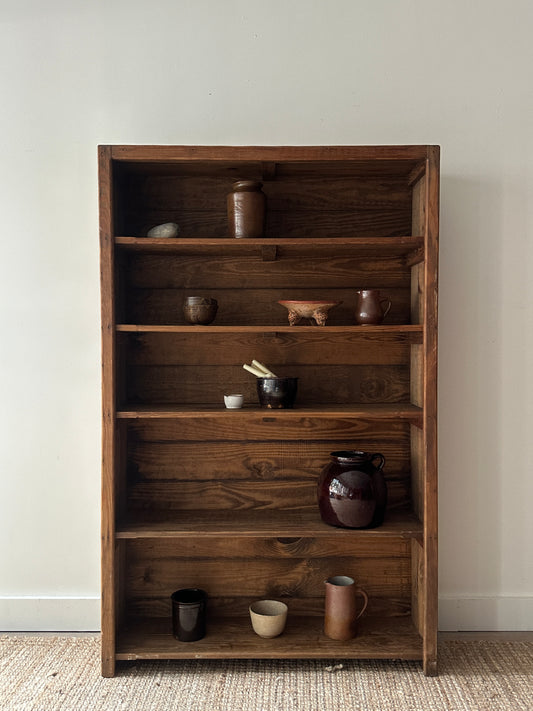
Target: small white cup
[{"x": 233, "y": 402}]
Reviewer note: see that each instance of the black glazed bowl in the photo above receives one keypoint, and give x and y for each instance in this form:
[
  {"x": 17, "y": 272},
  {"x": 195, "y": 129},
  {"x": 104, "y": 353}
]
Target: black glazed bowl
[
  {"x": 277, "y": 393},
  {"x": 200, "y": 310}
]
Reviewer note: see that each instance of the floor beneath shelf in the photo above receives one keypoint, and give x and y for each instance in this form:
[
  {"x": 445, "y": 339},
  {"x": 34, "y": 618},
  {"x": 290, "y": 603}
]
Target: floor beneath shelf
[{"x": 303, "y": 638}]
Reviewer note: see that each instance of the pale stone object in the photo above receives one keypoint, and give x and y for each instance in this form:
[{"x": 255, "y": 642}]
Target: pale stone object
[{"x": 167, "y": 229}]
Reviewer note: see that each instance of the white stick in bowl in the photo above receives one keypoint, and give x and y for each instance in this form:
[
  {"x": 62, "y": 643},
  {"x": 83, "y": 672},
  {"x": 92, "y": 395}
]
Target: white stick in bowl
[
  {"x": 266, "y": 371},
  {"x": 255, "y": 371}
]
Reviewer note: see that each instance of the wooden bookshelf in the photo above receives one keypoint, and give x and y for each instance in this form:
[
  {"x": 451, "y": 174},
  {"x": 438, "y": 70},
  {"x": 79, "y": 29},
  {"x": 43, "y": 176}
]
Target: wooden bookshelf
[{"x": 196, "y": 495}]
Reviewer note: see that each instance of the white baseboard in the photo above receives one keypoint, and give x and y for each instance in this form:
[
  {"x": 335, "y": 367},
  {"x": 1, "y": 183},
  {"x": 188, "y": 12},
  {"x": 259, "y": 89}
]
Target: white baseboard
[
  {"x": 486, "y": 614},
  {"x": 82, "y": 614},
  {"x": 49, "y": 614}
]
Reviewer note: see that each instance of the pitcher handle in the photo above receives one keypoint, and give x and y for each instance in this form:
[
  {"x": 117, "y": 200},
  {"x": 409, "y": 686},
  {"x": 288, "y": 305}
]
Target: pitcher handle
[
  {"x": 381, "y": 301},
  {"x": 365, "y": 598},
  {"x": 381, "y": 460}
]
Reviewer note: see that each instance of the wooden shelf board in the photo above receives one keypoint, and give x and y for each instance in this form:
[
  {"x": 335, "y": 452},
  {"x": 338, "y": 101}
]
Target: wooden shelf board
[
  {"x": 379, "y": 247},
  {"x": 303, "y": 523},
  {"x": 303, "y": 638},
  {"x": 400, "y": 156},
  {"x": 395, "y": 411},
  {"x": 414, "y": 332}
]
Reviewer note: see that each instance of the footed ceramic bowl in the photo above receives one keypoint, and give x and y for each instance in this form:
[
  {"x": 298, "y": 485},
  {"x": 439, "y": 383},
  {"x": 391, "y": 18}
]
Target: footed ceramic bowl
[{"x": 314, "y": 310}]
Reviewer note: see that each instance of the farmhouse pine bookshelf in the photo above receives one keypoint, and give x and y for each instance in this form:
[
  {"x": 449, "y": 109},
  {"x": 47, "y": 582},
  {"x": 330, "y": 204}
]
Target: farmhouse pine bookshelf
[{"x": 195, "y": 495}]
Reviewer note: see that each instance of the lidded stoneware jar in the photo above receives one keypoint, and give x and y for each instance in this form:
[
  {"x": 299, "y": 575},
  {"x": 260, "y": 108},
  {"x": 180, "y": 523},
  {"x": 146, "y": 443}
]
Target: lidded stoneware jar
[
  {"x": 246, "y": 209},
  {"x": 352, "y": 492}
]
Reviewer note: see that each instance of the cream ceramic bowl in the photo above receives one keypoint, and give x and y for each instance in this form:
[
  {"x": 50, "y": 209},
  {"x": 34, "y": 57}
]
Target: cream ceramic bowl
[{"x": 268, "y": 617}]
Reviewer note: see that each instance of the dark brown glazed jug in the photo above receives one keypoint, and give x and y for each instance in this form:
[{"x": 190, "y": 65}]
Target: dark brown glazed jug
[
  {"x": 369, "y": 307},
  {"x": 246, "y": 209},
  {"x": 352, "y": 492}
]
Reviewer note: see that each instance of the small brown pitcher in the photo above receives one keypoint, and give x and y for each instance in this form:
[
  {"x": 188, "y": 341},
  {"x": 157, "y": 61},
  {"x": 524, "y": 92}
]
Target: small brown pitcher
[
  {"x": 369, "y": 307},
  {"x": 341, "y": 607}
]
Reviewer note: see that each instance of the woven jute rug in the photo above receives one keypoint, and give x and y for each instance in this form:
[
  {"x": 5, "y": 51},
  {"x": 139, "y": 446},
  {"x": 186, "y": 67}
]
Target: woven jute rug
[{"x": 63, "y": 673}]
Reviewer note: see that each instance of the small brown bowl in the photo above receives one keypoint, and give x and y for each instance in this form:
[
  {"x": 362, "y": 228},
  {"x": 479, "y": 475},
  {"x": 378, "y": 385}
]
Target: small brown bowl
[
  {"x": 277, "y": 393},
  {"x": 200, "y": 310}
]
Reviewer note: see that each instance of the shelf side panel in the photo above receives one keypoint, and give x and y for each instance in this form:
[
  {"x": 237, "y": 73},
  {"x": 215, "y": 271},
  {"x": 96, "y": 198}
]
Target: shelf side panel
[
  {"x": 109, "y": 445},
  {"x": 430, "y": 411}
]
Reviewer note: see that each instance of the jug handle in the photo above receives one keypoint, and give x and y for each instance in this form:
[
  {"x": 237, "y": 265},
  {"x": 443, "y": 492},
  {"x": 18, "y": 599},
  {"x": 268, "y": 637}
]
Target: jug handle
[
  {"x": 381, "y": 458},
  {"x": 365, "y": 598},
  {"x": 388, "y": 307}
]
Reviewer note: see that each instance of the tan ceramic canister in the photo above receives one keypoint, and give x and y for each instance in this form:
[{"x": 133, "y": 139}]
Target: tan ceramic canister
[{"x": 246, "y": 210}]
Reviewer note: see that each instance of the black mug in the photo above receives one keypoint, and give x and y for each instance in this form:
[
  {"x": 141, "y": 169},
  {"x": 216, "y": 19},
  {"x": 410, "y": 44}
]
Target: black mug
[{"x": 188, "y": 614}]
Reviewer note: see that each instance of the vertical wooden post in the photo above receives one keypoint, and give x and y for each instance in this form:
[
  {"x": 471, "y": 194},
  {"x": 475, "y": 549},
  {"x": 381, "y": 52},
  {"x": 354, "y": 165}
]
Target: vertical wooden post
[
  {"x": 431, "y": 238},
  {"x": 108, "y": 604}
]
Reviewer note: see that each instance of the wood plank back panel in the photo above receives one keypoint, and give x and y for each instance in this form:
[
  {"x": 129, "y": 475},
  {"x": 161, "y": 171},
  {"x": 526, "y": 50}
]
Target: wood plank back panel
[
  {"x": 207, "y": 461},
  {"x": 184, "y": 192},
  {"x": 238, "y": 495},
  {"x": 226, "y": 609},
  {"x": 242, "y": 474},
  {"x": 259, "y": 427},
  {"x": 174, "y": 271},
  {"x": 349, "y": 206},
  {"x": 293, "y": 570},
  {"x": 320, "y": 347},
  {"x": 374, "y": 221},
  {"x": 256, "y": 307},
  {"x": 206, "y": 385}
]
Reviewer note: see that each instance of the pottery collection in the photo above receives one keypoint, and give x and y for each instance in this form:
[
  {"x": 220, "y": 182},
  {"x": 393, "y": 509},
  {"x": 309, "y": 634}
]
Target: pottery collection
[
  {"x": 268, "y": 618},
  {"x": 351, "y": 491}
]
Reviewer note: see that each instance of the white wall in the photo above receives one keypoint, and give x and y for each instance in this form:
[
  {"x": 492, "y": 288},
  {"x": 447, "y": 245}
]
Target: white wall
[{"x": 76, "y": 74}]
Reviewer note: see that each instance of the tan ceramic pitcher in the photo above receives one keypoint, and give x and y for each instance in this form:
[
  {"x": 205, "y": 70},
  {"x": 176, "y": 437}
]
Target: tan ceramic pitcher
[{"x": 341, "y": 607}]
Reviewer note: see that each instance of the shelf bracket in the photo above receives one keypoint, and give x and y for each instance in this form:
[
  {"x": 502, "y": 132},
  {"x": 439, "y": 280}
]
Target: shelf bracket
[
  {"x": 417, "y": 172},
  {"x": 417, "y": 422},
  {"x": 269, "y": 170},
  {"x": 269, "y": 252},
  {"x": 414, "y": 257},
  {"x": 270, "y": 335}
]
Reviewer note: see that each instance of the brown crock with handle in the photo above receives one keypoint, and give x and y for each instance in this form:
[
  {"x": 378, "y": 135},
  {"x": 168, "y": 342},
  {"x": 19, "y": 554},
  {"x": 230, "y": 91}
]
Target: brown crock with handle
[{"x": 352, "y": 491}]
